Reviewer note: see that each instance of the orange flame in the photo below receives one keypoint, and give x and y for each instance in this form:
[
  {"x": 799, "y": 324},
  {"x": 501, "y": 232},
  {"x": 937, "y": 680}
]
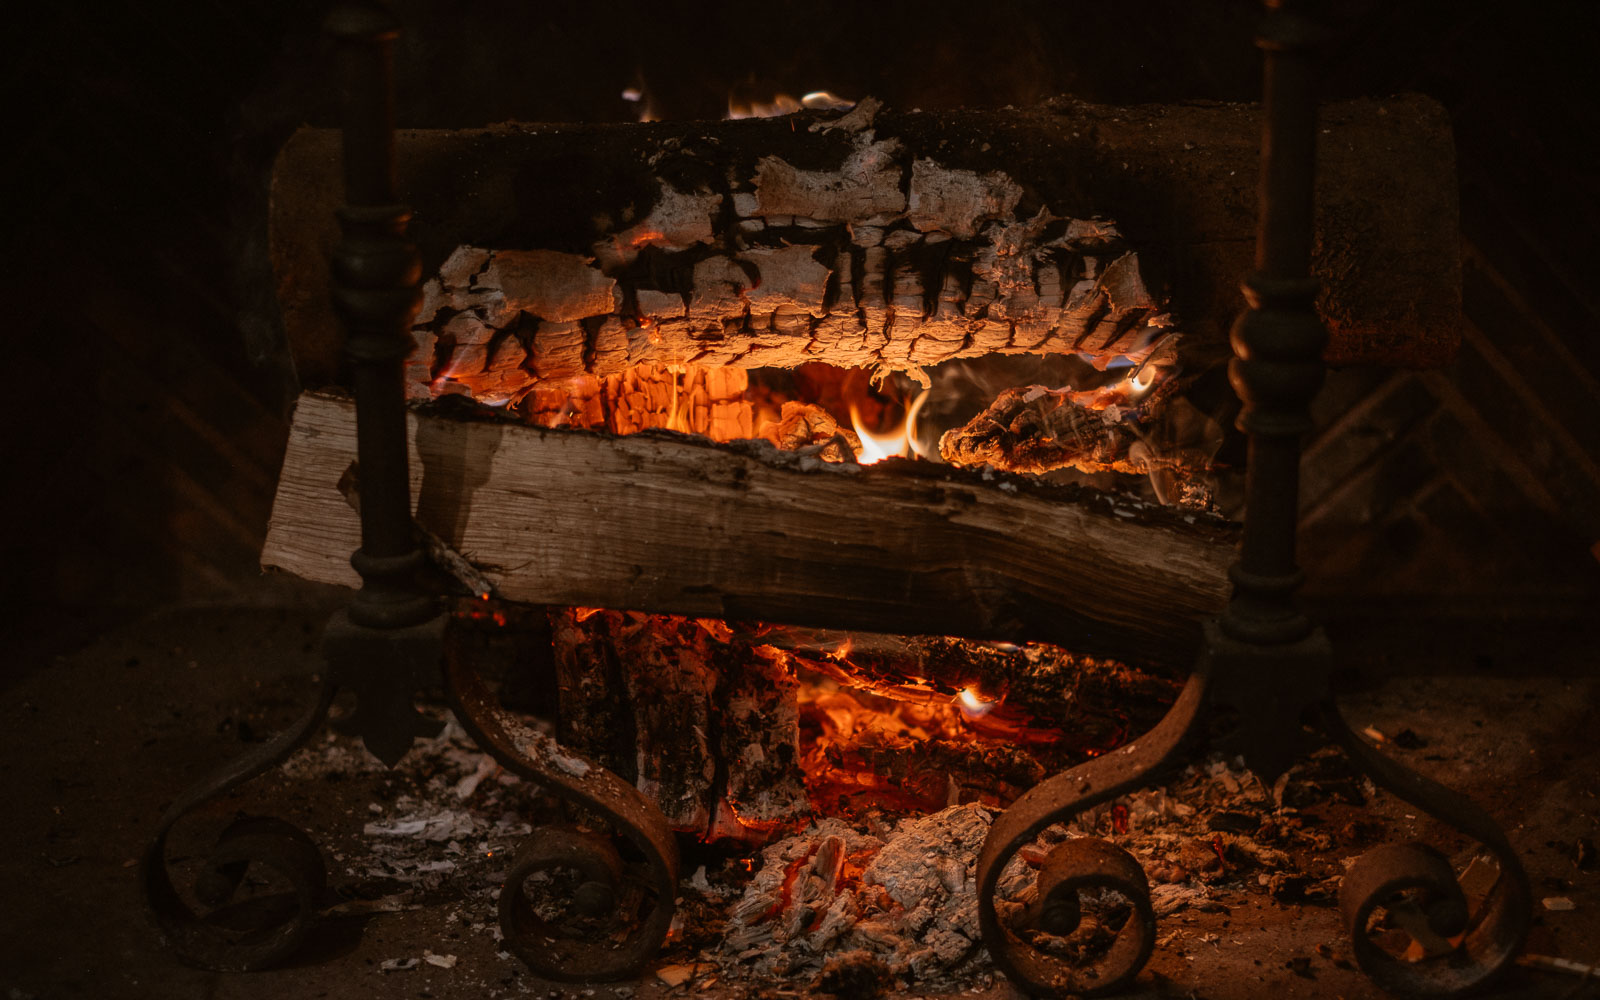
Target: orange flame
[{"x": 900, "y": 442}]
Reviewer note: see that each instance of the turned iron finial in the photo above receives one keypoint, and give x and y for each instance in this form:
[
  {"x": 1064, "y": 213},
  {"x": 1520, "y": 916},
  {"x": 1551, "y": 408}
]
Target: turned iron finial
[
  {"x": 1278, "y": 340},
  {"x": 376, "y": 272}
]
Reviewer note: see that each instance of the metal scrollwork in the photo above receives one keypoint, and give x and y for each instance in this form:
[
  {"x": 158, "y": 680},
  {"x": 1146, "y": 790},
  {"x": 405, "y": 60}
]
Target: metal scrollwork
[
  {"x": 212, "y": 924},
  {"x": 570, "y": 908},
  {"x": 1268, "y": 697},
  {"x": 1080, "y": 865},
  {"x": 1445, "y": 948},
  {"x": 561, "y": 902},
  {"x": 1085, "y": 872}
]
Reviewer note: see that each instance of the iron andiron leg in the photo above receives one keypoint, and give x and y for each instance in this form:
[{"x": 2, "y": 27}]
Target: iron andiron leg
[
  {"x": 390, "y": 645},
  {"x": 1261, "y": 689}
]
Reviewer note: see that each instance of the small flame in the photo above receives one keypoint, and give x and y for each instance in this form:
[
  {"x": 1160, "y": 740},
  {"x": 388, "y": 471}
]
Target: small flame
[
  {"x": 823, "y": 100},
  {"x": 637, "y": 95},
  {"x": 913, "y": 439},
  {"x": 787, "y": 104},
  {"x": 899, "y": 442},
  {"x": 1140, "y": 380},
  {"x": 877, "y": 447},
  {"x": 781, "y": 104},
  {"x": 974, "y": 705}
]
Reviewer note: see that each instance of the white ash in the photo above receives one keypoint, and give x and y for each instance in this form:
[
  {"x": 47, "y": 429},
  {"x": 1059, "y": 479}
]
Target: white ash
[
  {"x": 905, "y": 894},
  {"x": 906, "y": 898},
  {"x": 447, "y": 841}
]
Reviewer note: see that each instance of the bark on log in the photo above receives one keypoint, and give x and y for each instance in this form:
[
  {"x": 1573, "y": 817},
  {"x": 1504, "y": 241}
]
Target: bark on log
[
  {"x": 678, "y": 215},
  {"x": 662, "y": 523}
]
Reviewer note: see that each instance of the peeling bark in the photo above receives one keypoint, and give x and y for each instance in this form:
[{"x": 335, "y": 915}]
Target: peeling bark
[{"x": 910, "y": 300}]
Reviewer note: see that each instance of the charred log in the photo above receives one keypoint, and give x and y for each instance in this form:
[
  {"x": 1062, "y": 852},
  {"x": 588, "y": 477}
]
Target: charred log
[
  {"x": 758, "y": 734},
  {"x": 901, "y": 236},
  {"x": 592, "y": 715},
  {"x": 1045, "y": 682}
]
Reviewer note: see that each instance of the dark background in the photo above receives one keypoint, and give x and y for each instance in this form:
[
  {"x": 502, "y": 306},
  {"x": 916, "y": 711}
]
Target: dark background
[{"x": 149, "y": 383}]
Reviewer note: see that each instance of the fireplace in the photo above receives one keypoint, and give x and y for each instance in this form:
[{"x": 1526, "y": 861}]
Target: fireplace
[{"x": 452, "y": 359}]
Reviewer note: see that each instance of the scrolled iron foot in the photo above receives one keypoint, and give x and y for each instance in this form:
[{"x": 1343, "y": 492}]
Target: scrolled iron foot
[
  {"x": 1079, "y": 869},
  {"x": 1090, "y": 873},
  {"x": 1440, "y": 947},
  {"x": 570, "y": 908},
  {"x": 563, "y": 902},
  {"x": 213, "y": 925}
]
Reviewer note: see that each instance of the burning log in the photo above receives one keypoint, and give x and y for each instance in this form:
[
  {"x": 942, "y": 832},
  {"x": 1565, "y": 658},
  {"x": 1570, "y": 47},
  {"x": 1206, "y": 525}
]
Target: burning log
[
  {"x": 1032, "y": 429},
  {"x": 1033, "y": 679},
  {"x": 892, "y": 239},
  {"x": 660, "y": 523},
  {"x": 759, "y": 735},
  {"x": 1043, "y": 286}
]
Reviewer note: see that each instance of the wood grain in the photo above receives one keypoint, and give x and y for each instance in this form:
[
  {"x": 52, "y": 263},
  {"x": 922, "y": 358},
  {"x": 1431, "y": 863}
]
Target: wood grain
[{"x": 666, "y": 523}]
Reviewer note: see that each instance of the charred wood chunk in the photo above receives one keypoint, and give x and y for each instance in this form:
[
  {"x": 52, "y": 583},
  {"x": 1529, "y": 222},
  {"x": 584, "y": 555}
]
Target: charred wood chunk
[
  {"x": 1032, "y": 429},
  {"x": 668, "y": 676},
  {"x": 592, "y": 715},
  {"x": 819, "y": 236},
  {"x": 760, "y": 734},
  {"x": 807, "y": 425}
]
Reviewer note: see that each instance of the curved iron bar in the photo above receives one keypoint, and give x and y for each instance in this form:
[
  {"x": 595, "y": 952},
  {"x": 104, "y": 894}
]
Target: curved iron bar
[
  {"x": 536, "y": 757},
  {"x": 1083, "y": 865},
  {"x": 1490, "y": 938},
  {"x": 1056, "y": 800},
  {"x": 1264, "y": 669},
  {"x": 209, "y": 940}
]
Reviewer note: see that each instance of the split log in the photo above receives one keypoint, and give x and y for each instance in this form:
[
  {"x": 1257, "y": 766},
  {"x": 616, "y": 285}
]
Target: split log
[
  {"x": 662, "y": 523},
  {"x": 866, "y": 239}
]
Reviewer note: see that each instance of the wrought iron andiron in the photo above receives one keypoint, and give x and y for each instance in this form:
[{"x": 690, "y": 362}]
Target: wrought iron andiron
[
  {"x": 1261, "y": 688},
  {"x": 391, "y": 643}
]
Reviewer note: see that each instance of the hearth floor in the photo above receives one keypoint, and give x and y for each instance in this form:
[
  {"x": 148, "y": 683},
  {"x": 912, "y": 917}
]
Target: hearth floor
[{"x": 101, "y": 727}]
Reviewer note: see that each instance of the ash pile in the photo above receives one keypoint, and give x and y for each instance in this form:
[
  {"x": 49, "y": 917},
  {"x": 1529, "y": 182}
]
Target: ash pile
[
  {"x": 897, "y": 902},
  {"x": 853, "y": 906}
]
